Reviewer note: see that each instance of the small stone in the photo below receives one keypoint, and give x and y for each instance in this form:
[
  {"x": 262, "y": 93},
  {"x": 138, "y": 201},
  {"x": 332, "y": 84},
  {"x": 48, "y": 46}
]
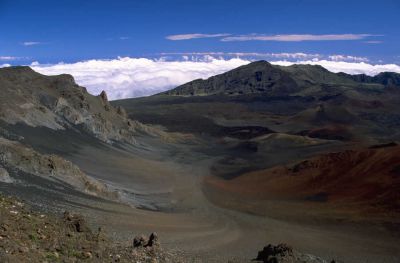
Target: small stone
[
  {"x": 87, "y": 254},
  {"x": 23, "y": 249}
]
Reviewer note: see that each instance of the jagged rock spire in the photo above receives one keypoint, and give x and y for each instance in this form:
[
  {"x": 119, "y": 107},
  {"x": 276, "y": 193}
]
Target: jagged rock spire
[{"x": 103, "y": 96}]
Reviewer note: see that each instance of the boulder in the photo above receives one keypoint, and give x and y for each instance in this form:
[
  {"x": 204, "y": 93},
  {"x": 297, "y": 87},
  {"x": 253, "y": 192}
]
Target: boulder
[
  {"x": 283, "y": 253},
  {"x": 275, "y": 254},
  {"x": 153, "y": 240}
]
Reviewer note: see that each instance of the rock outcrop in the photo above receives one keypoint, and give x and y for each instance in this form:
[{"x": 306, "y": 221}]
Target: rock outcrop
[{"x": 57, "y": 102}]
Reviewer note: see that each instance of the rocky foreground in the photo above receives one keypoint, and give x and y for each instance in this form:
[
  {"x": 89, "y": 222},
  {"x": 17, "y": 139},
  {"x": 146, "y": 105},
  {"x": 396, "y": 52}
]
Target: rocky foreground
[{"x": 28, "y": 236}]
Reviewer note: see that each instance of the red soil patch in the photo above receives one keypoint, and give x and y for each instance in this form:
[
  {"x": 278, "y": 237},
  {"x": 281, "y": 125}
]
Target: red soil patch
[{"x": 357, "y": 178}]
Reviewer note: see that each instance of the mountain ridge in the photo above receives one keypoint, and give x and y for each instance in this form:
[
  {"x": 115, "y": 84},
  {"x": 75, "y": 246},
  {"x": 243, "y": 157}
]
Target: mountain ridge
[{"x": 263, "y": 77}]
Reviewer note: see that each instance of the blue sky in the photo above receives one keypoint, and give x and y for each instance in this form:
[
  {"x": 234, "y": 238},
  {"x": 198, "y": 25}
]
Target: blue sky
[
  {"x": 54, "y": 31},
  {"x": 138, "y": 48}
]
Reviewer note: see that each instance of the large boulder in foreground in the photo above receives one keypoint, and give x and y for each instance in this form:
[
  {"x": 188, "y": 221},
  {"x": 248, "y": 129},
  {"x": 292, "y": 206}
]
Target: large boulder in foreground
[{"x": 283, "y": 253}]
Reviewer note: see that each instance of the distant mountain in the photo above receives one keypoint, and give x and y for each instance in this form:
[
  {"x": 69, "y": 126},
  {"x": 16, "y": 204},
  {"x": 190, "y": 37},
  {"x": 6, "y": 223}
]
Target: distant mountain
[
  {"x": 384, "y": 78},
  {"x": 263, "y": 77}
]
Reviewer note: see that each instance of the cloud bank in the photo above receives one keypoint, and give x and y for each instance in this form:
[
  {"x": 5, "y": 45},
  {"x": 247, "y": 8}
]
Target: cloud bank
[{"x": 134, "y": 77}]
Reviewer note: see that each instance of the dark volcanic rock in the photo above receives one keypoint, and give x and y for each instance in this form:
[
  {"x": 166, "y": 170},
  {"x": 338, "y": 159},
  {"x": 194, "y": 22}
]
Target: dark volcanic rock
[
  {"x": 274, "y": 254},
  {"x": 142, "y": 241},
  {"x": 153, "y": 240}
]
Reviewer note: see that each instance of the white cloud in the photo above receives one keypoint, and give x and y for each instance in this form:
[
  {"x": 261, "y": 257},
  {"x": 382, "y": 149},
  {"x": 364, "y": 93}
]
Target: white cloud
[
  {"x": 8, "y": 58},
  {"x": 31, "y": 43},
  {"x": 297, "y": 37},
  {"x": 193, "y": 36},
  {"x": 347, "y": 58},
  {"x": 133, "y": 77},
  {"x": 297, "y": 55}
]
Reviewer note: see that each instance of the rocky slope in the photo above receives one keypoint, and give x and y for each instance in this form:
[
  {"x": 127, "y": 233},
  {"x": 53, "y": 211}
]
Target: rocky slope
[
  {"x": 16, "y": 156},
  {"x": 57, "y": 102}
]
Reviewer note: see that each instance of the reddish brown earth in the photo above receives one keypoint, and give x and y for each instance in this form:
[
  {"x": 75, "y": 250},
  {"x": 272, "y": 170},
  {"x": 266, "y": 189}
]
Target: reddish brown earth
[{"x": 364, "y": 182}]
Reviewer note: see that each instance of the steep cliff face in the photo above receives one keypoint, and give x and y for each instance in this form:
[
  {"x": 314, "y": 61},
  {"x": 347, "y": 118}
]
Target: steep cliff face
[{"x": 57, "y": 102}]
